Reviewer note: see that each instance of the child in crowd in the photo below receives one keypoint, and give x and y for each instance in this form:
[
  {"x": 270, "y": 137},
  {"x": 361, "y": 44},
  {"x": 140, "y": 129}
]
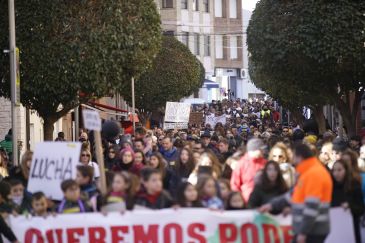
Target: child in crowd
[
  {"x": 6, "y": 205},
  {"x": 39, "y": 205},
  {"x": 187, "y": 196},
  {"x": 235, "y": 201},
  {"x": 20, "y": 199},
  {"x": 139, "y": 158},
  {"x": 121, "y": 194},
  {"x": 84, "y": 179},
  {"x": 225, "y": 189},
  {"x": 207, "y": 192},
  {"x": 152, "y": 195},
  {"x": 72, "y": 202}
]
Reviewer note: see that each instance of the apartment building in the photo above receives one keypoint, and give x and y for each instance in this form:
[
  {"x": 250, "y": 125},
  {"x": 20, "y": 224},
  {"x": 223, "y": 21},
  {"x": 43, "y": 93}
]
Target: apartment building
[
  {"x": 213, "y": 30},
  {"x": 228, "y": 31},
  {"x": 192, "y": 22}
]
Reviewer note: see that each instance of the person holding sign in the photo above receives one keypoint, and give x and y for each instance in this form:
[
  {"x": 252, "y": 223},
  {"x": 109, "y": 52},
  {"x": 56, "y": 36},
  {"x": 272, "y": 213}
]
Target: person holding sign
[{"x": 85, "y": 159}]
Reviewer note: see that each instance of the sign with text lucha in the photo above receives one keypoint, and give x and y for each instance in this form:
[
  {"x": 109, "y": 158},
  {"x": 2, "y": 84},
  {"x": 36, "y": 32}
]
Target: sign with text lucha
[
  {"x": 92, "y": 120},
  {"x": 197, "y": 225},
  {"x": 52, "y": 163}
]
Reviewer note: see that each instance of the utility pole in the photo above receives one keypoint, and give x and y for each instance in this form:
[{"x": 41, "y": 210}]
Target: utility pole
[
  {"x": 133, "y": 107},
  {"x": 13, "y": 74}
]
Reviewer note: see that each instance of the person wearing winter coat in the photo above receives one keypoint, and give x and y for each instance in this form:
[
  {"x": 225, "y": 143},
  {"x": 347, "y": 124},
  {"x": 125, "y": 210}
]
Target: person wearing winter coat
[
  {"x": 250, "y": 164},
  {"x": 347, "y": 193}
]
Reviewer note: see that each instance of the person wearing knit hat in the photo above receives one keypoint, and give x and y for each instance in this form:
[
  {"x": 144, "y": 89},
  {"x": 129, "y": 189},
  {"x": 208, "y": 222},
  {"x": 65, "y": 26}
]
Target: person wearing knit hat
[
  {"x": 248, "y": 167},
  {"x": 126, "y": 142},
  {"x": 126, "y": 157}
]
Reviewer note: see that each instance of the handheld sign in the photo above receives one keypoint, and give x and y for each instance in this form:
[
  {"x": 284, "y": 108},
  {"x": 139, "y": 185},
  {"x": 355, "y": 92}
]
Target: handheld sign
[
  {"x": 53, "y": 162},
  {"x": 176, "y": 115},
  {"x": 92, "y": 121}
]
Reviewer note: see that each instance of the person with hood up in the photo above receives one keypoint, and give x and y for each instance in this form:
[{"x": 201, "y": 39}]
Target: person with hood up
[
  {"x": 243, "y": 176},
  {"x": 7, "y": 144}
]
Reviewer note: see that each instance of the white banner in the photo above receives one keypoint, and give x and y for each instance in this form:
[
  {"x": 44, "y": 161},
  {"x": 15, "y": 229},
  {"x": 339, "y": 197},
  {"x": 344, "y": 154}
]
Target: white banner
[
  {"x": 177, "y": 112},
  {"x": 180, "y": 226},
  {"x": 213, "y": 120},
  {"x": 175, "y": 125},
  {"x": 53, "y": 162}
]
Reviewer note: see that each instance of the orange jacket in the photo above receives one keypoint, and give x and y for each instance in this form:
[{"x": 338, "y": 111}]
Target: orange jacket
[{"x": 314, "y": 181}]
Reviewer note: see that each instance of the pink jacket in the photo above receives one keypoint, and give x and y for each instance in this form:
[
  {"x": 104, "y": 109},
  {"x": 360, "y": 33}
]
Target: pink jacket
[{"x": 242, "y": 179}]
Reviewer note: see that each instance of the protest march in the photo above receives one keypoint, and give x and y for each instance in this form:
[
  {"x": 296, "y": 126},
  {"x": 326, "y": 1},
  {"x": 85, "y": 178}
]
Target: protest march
[
  {"x": 234, "y": 174},
  {"x": 182, "y": 121}
]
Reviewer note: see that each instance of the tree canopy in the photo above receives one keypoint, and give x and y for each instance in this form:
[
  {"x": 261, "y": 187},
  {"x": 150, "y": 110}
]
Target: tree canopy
[
  {"x": 73, "y": 47},
  {"x": 175, "y": 73},
  {"x": 309, "y": 52}
]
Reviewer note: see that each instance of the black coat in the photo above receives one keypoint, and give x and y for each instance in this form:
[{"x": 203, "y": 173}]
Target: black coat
[
  {"x": 6, "y": 231},
  {"x": 354, "y": 197},
  {"x": 163, "y": 200},
  {"x": 260, "y": 196}
]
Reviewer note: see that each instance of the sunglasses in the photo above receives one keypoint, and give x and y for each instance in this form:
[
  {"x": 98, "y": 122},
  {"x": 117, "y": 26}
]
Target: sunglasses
[{"x": 85, "y": 155}]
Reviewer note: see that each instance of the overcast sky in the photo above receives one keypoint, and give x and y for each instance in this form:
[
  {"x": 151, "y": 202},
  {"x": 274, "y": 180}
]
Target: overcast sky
[{"x": 249, "y": 4}]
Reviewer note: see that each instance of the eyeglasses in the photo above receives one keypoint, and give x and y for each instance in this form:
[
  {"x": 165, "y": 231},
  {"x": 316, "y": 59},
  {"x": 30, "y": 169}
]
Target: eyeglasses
[{"x": 85, "y": 155}]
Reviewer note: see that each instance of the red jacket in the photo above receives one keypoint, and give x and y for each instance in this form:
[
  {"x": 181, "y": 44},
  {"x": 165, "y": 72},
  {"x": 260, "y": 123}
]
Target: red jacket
[{"x": 242, "y": 179}]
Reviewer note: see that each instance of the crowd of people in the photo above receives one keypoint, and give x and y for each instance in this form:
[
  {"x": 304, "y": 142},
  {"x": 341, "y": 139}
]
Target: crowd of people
[{"x": 251, "y": 162}]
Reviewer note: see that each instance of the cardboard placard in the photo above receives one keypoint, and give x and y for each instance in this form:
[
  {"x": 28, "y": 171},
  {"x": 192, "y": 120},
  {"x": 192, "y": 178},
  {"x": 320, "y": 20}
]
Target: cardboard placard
[
  {"x": 196, "y": 118},
  {"x": 177, "y": 112},
  {"x": 53, "y": 162},
  {"x": 92, "y": 120}
]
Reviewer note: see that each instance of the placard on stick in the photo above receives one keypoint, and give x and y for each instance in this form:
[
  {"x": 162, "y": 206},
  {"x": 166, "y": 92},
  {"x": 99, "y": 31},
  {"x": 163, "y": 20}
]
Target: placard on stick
[
  {"x": 92, "y": 121},
  {"x": 52, "y": 163}
]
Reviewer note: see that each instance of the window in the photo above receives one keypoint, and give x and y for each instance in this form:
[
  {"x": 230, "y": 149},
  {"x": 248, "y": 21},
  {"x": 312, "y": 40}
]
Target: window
[
  {"x": 167, "y": 3},
  {"x": 185, "y": 38},
  {"x": 206, "y": 5},
  {"x": 195, "y": 5},
  {"x": 206, "y": 46},
  {"x": 233, "y": 9},
  {"x": 168, "y": 33},
  {"x": 219, "y": 47},
  {"x": 184, "y": 4},
  {"x": 197, "y": 44},
  {"x": 218, "y": 8},
  {"x": 233, "y": 44}
]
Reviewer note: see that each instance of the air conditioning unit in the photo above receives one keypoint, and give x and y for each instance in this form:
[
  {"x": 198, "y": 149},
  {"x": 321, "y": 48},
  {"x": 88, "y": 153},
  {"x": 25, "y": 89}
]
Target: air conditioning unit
[{"x": 243, "y": 73}]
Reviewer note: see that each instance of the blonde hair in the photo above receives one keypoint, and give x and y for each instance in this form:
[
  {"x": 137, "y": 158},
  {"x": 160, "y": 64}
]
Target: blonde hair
[
  {"x": 282, "y": 147},
  {"x": 28, "y": 155}
]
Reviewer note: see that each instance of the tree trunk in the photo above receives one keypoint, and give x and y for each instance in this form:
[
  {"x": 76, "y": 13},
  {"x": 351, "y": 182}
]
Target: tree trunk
[
  {"x": 349, "y": 122},
  {"x": 320, "y": 119},
  {"x": 48, "y": 127},
  {"x": 349, "y": 111},
  {"x": 297, "y": 116}
]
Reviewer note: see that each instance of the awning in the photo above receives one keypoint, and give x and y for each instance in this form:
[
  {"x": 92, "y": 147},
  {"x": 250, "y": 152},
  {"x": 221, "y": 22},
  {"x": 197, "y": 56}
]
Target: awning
[
  {"x": 209, "y": 84},
  {"x": 106, "y": 106}
]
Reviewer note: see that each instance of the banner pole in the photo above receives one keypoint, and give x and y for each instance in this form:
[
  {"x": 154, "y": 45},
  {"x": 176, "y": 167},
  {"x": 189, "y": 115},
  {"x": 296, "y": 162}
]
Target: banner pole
[{"x": 100, "y": 159}]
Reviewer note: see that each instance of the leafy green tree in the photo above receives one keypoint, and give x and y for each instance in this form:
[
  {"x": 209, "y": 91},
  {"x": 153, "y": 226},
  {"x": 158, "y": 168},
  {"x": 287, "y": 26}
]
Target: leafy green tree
[
  {"x": 73, "y": 47},
  {"x": 310, "y": 52},
  {"x": 175, "y": 73}
]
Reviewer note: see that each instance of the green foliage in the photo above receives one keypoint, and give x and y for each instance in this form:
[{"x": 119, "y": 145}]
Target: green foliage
[
  {"x": 308, "y": 52},
  {"x": 175, "y": 73},
  {"x": 67, "y": 47}
]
